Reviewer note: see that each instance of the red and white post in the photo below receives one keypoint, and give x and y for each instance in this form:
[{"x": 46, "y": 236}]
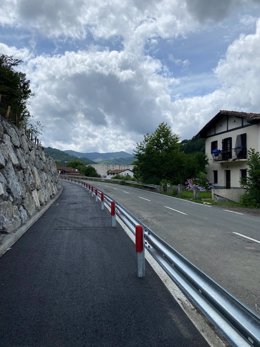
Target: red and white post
[
  {"x": 96, "y": 192},
  {"x": 139, "y": 247},
  {"x": 102, "y": 200},
  {"x": 113, "y": 213}
]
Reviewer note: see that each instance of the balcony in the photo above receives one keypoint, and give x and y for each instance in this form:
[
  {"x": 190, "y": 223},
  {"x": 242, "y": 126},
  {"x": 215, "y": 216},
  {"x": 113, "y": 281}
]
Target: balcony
[{"x": 235, "y": 154}]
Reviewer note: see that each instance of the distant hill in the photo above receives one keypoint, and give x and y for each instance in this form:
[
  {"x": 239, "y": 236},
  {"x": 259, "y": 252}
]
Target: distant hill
[
  {"x": 63, "y": 157},
  {"x": 108, "y": 158}
]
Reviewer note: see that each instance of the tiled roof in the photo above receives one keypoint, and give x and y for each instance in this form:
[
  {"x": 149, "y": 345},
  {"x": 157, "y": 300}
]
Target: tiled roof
[{"x": 250, "y": 117}]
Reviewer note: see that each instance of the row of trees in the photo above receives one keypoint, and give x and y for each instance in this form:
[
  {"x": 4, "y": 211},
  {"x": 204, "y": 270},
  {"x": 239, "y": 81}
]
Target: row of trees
[
  {"x": 161, "y": 157},
  {"x": 14, "y": 91}
]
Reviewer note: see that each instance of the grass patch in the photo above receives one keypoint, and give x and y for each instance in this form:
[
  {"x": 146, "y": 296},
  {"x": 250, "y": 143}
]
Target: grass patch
[{"x": 187, "y": 194}]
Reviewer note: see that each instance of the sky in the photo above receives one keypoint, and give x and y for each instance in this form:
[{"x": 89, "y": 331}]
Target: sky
[{"x": 105, "y": 73}]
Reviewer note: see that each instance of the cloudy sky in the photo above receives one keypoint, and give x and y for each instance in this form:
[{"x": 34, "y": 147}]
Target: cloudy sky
[{"x": 106, "y": 72}]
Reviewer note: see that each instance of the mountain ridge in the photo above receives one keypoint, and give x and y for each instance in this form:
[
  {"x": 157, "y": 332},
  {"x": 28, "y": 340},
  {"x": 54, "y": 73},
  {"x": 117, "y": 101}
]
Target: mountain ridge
[
  {"x": 98, "y": 157},
  {"x": 120, "y": 158}
]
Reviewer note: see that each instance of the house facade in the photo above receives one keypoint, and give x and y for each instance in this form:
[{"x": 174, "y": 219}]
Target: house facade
[
  {"x": 121, "y": 172},
  {"x": 228, "y": 137}
]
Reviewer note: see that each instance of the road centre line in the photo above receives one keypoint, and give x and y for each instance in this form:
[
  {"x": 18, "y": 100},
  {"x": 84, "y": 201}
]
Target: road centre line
[
  {"x": 173, "y": 209},
  {"x": 124, "y": 191},
  {"x": 140, "y": 197},
  {"x": 234, "y": 212},
  {"x": 246, "y": 237}
]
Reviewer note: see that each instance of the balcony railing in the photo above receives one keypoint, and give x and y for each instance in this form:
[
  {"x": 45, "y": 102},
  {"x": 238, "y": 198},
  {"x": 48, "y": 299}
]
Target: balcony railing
[{"x": 237, "y": 153}]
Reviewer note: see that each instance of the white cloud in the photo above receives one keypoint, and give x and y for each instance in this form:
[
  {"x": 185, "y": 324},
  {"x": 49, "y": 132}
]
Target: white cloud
[
  {"x": 107, "y": 100},
  {"x": 23, "y": 53},
  {"x": 205, "y": 10},
  {"x": 132, "y": 20},
  {"x": 239, "y": 72},
  {"x": 112, "y": 92},
  {"x": 239, "y": 78}
]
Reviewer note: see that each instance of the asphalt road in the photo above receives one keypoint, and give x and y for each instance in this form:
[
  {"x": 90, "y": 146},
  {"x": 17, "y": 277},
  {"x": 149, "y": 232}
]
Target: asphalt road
[
  {"x": 71, "y": 281},
  {"x": 224, "y": 244}
]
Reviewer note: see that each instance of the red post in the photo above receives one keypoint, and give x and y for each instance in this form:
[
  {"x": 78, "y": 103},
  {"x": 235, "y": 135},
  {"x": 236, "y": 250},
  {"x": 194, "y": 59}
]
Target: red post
[
  {"x": 139, "y": 246},
  {"x": 113, "y": 213},
  {"x": 102, "y": 200},
  {"x": 139, "y": 239}
]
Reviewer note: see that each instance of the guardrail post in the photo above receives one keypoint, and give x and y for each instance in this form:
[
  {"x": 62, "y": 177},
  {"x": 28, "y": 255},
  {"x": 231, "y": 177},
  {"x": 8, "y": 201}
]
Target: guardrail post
[
  {"x": 102, "y": 200},
  {"x": 139, "y": 247},
  {"x": 96, "y": 192},
  {"x": 113, "y": 213},
  {"x": 92, "y": 189}
]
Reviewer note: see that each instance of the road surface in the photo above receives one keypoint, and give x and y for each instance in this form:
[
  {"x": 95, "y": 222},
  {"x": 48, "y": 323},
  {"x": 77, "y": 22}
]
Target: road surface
[{"x": 224, "y": 244}]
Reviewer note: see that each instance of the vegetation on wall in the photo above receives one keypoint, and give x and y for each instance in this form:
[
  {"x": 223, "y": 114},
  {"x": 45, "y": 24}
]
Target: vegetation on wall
[{"x": 14, "y": 91}]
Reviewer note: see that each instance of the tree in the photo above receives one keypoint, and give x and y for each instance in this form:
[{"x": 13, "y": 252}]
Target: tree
[
  {"x": 252, "y": 182},
  {"x": 194, "y": 145},
  {"x": 14, "y": 90},
  {"x": 158, "y": 157}
]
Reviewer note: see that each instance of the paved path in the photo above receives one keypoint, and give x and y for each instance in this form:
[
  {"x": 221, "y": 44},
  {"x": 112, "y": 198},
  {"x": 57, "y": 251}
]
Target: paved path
[{"x": 71, "y": 281}]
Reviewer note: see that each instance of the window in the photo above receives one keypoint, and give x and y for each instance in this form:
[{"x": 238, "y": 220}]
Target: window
[
  {"x": 214, "y": 149},
  {"x": 215, "y": 176},
  {"x": 241, "y": 146},
  {"x": 227, "y": 148},
  {"x": 243, "y": 175},
  {"x": 214, "y": 146}
]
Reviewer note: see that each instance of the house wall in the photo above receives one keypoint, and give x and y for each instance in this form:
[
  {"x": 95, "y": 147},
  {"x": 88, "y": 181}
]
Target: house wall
[
  {"x": 103, "y": 168},
  {"x": 253, "y": 141},
  {"x": 127, "y": 173}
]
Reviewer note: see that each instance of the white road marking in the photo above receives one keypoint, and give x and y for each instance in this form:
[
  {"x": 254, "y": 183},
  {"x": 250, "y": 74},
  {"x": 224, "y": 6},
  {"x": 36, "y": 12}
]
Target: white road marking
[
  {"x": 246, "y": 237},
  {"x": 114, "y": 188},
  {"x": 124, "y": 191},
  {"x": 173, "y": 209},
  {"x": 140, "y": 197},
  {"x": 234, "y": 212}
]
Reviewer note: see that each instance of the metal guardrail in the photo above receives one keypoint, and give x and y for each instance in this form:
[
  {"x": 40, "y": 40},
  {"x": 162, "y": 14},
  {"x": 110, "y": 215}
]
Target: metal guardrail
[
  {"x": 236, "y": 322},
  {"x": 154, "y": 187}
]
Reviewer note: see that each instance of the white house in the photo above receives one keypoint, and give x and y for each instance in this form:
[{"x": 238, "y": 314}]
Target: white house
[
  {"x": 228, "y": 137},
  {"x": 121, "y": 172}
]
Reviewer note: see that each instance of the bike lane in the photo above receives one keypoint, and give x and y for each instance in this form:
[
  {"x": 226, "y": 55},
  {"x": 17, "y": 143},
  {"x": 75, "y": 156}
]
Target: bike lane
[{"x": 71, "y": 281}]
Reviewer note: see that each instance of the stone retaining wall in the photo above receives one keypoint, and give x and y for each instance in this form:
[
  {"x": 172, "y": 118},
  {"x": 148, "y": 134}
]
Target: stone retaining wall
[{"x": 28, "y": 178}]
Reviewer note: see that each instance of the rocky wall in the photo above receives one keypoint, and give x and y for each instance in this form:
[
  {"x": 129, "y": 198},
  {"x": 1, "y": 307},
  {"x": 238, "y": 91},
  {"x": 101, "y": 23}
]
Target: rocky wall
[{"x": 28, "y": 178}]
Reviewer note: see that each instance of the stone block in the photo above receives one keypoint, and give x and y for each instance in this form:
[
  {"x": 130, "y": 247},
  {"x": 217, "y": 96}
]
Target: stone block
[
  {"x": 36, "y": 178},
  {"x": 36, "y": 198},
  {"x": 9, "y": 217},
  {"x": 29, "y": 204},
  {"x": 13, "y": 183},
  {"x": 2, "y": 160},
  {"x": 11, "y": 131}
]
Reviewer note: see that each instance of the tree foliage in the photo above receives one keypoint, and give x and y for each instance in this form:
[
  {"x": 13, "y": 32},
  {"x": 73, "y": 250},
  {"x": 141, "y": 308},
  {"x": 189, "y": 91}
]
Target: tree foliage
[
  {"x": 196, "y": 144},
  {"x": 86, "y": 170},
  {"x": 252, "y": 181},
  {"x": 159, "y": 157},
  {"x": 14, "y": 90}
]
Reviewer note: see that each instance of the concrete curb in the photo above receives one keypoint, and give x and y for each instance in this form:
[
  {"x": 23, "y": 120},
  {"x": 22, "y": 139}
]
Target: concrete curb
[{"x": 10, "y": 239}]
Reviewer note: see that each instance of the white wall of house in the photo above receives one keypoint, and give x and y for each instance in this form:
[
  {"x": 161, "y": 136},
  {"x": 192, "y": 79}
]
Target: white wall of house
[
  {"x": 235, "y": 166},
  {"x": 103, "y": 168},
  {"x": 127, "y": 173}
]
